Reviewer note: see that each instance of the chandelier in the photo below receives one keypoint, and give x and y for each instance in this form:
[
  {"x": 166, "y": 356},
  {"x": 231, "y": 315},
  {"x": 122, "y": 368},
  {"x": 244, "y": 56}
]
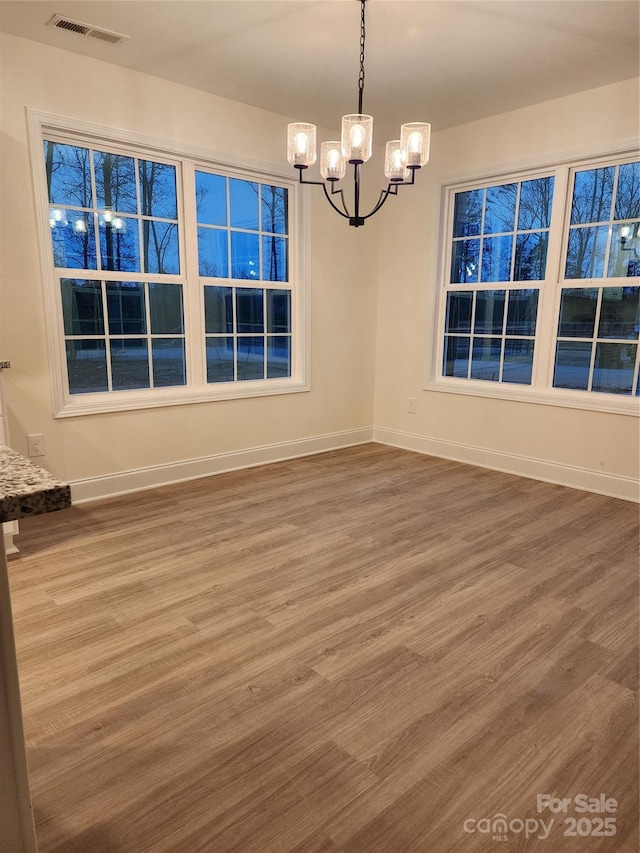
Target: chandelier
[{"x": 403, "y": 157}]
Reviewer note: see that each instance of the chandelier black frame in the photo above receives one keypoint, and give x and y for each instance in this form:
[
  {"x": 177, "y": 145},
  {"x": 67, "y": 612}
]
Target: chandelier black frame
[{"x": 403, "y": 157}]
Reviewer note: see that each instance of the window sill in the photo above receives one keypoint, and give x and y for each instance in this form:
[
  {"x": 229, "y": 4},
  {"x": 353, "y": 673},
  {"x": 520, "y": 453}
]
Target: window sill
[
  {"x": 122, "y": 401},
  {"x": 594, "y": 402}
]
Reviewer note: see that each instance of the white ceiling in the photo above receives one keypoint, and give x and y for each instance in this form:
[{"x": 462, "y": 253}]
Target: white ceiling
[{"x": 443, "y": 61}]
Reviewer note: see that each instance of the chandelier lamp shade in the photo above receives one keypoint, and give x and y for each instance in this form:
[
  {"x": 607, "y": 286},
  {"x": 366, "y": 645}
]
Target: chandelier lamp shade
[{"x": 403, "y": 157}]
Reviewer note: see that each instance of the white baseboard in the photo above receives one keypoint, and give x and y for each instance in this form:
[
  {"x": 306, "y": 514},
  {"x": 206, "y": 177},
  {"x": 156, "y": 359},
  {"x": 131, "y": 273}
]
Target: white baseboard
[
  {"x": 9, "y": 530},
  {"x": 124, "y": 482},
  {"x": 613, "y": 485}
]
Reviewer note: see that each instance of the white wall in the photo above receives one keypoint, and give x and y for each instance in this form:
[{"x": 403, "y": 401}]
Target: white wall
[
  {"x": 342, "y": 278},
  {"x": 591, "y": 449}
]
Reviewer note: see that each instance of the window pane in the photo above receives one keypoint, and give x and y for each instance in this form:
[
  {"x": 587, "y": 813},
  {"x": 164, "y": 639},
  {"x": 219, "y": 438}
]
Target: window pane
[
  {"x": 243, "y": 197},
  {"x": 485, "y": 362},
  {"x": 585, "y": 255},
  {"x": 522, "y": 311},
  {"x": 489, "y": 312},
  {"x": 168, "y": 362},
  {"x": 496, "y": 258},
  {"x": 158, "y": 189},
  {"x": 251, "y": 357},
  {"x": 160, "y": 247},
  {"x": 624, "y": 255},
  {"x": 249, "y": 310},
  {"x": 518, "y": 361},
  {"x": 465, "y": 260},
  {"x": 86, "y": 366},
  {"x": 212, "y": 253},
  {"x": 628, "y": 193},
  {"x": 613, "y": 368},
  {"x": 456, "y": 356},
  {"x": 500, "y": 209},
  {"x": 536, "y": 198},
  {"x": 577, "y": 313},
  {"x": 278, "y": 356},
  {"x": 278, "y": 310},
  {"x": 129, "y": 363},
  {"x": 119, "y": 249},
  {"x": 274, "y": 258},
  {"x": 274, "y": 209},
  {"x": 592, "y": 195},
  {"x": 220, "y": 359},
  {"x": 73, "y": 238},
  {"x": 115, "y": 182},
  {"x": 467, "y": 214},
  {"x": 211, "y": 199},
  {"x": 218, "y": 310},
  {"x": 245, "y": 255},
  {"x": 620, "y": 313},
  {"x": 573, "y": 359},
  {"x": 82, "y": 307},
  {"x": 68, "y": 169},
  {"x": 459, "y": 305},
  {"x": 126, "y": 307},
  {"x": 165, "y": 309},
  {"x": 531, "y": 256}
]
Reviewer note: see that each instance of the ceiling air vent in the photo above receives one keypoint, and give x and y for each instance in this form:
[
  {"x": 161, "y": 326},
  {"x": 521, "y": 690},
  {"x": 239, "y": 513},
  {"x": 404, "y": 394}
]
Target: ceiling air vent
[{"x": 88, "y": 30}]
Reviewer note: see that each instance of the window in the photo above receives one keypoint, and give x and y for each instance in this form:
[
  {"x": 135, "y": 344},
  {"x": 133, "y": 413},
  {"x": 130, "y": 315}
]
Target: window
[
  {"x": 173, "y": 279},
  {"x": 489, "y": 334},
  {"x": 542, "y": 286},
  {"x": 243, "y": 234},
  {"x": 605, "y": 218},
  {"x": 598, "y": 327},
  {"x": 122, "y": 335},
  {"x": 500, "y": 234},
  {"x": 248, "y": 333},
  {"x": 597, "y": 339}
]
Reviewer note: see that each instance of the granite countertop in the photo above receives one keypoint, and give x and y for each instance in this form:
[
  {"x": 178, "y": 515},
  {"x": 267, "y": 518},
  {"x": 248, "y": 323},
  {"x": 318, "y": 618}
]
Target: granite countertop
[{"x": 26, "y": 489}]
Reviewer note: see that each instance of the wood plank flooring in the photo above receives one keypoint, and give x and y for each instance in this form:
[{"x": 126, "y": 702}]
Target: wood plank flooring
[{"x": 355, "y": 652}]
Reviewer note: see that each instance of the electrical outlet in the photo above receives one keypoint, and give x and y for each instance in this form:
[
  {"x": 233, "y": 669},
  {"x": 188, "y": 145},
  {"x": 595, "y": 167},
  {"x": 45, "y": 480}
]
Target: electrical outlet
[
  {"x": 35, "y": 444},
  {"x": 411, "y": 408}
]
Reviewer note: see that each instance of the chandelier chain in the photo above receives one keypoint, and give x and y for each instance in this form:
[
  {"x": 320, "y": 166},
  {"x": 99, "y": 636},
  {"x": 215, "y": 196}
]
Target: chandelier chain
[{"x": 362, "y": 40}]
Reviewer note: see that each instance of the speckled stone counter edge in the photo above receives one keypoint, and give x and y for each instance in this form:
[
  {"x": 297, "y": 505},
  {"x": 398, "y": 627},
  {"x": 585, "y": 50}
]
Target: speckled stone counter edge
[{"x": 26, "y": 489}]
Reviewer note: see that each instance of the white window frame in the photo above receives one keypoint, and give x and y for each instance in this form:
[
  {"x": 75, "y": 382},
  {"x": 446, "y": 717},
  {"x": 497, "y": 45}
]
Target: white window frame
[
  {"x": 541, "y": 390},
  {"x": 187, "y": 159}
]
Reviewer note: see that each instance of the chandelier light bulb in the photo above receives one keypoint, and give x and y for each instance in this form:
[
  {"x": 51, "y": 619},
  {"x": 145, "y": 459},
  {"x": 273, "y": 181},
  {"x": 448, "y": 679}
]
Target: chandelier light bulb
[
  {"x": 301, "y": 145},
  {"x": 80, "y": 226},
  {"x": 357, "y": 138},
  {"x": 415, "y": 138},
  {"x": 332, "y": 164},
  {"x": 415, "y": 143},
  {"x": 357, "y": 135},
  {"x": 395, "y": 169}
]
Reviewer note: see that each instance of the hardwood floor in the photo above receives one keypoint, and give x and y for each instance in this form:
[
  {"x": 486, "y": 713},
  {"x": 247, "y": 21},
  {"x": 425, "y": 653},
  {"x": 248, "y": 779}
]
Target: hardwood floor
[{"x": 364, "y": 651}]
